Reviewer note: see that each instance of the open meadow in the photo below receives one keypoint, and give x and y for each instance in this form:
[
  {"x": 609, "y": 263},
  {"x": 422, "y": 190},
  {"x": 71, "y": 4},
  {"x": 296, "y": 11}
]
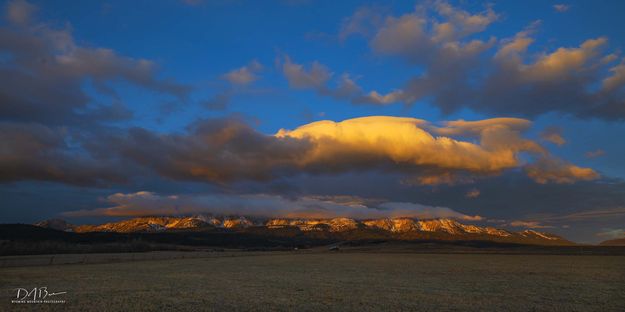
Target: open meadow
[{"x": 314, "y": 281}]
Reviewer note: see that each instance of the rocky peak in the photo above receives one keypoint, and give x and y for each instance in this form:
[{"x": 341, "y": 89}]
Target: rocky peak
[
  {"x": 441, "y": 225},
  {"x": 342, "y": 224},
  {"x": 240, "y": 222}
]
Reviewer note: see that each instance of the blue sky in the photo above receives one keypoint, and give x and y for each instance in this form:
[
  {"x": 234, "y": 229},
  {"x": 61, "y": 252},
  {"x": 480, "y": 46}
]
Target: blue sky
[{"x": 194, "y": 45}]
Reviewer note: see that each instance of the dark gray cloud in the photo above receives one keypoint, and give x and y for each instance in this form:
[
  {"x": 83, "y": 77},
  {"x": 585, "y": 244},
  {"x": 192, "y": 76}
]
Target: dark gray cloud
[
  {"x": 38, "y": 152},
  {"x": 217, "y": 150}
]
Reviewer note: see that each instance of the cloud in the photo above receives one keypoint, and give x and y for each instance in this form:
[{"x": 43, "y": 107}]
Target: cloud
[
  {"x": 421, "y": 38},
  {"x": 529, "y": 224},
  {"x": 473, "y": 193},
  {"x": 594, "y": 154},
  {"x": 612, "y": 233},
  {"x": 458, "y": 67},
  {"x": 244, "y": 75},
  {"x": 19, "y": 12},
  {"x": 584, "y": 205},
  {"x": 362, "y": 22},
  {"x": 475, "y": 128},
  {"x": 262, "y": 205},
  {"x": 57, "y": 97},
  {"x": 318, "y": 77},
  {"x": 462, "y": 22},
  {"x": 226, "y": 150},
  {"x": 38, "y": 152},
  {"x": 549, "y": 169},
  {"x": 217, "y": 150},
  {"x": 44, "y": 72},
  {"x": 613, "y": 213},
  {"x": 400, "y": 141},
  {"x": 617, "y": 80},
  {"x": 301, "y": 78},
  {"x": 561, "y": 8},
  {"x": 553, "y": 135},
  {"x": 374, "y": 97}
]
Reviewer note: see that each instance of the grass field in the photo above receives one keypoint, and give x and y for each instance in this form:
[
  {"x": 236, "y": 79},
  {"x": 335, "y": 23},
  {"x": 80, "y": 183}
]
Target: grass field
[{"x": 331, "y": 281}]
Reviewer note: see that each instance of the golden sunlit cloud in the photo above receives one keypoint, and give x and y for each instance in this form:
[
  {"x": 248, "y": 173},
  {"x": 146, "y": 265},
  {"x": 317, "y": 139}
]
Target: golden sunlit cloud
[
  {"x": 554, "y": 170},
  {"x": 553, "y": 135},
  {"x": 399, "y": 140},
  {"x": 412, "y": 143}
]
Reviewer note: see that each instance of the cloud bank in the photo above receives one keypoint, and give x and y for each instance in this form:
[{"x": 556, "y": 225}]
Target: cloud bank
[
  {"x": 261, "y": 205},
  {"x": 227, "y": 150}
]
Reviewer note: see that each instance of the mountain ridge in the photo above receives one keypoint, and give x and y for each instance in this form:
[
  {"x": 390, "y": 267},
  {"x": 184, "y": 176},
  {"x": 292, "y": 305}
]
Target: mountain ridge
[{"x": 341, "y": 228}]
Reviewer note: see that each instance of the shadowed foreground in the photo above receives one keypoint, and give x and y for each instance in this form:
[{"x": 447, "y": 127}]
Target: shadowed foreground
[{"x": 332, "y": 281}]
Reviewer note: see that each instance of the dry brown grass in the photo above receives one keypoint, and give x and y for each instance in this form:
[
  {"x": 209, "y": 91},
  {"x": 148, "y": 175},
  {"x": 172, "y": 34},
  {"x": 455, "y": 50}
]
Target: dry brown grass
[{"x": 333, "y": 281}]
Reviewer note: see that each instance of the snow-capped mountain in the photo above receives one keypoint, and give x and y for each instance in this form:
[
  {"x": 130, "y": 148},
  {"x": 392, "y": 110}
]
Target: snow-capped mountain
[{"x": 342, "y": 228}]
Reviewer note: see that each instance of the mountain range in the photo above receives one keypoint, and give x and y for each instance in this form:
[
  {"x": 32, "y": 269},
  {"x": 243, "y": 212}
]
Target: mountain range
[{"x": 337, "y": 228}]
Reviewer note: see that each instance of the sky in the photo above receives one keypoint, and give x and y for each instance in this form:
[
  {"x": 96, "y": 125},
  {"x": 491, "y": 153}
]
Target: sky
[{"x": 507, "y": 114}]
